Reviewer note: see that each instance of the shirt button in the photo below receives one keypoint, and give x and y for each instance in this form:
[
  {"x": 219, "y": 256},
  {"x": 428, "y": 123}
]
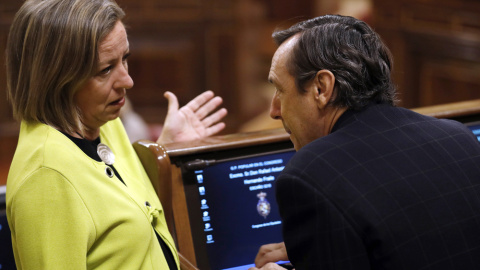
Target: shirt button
[
  {"x": 109, "y": 171},
  {"x": 147, "y": 203}
]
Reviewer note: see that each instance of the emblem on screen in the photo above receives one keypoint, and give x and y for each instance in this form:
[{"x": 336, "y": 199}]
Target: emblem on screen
[{"x": 263, "y": 206}]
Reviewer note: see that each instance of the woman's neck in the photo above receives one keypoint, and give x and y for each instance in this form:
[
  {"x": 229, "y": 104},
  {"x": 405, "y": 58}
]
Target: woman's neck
[{"x": 90, "y": 134}]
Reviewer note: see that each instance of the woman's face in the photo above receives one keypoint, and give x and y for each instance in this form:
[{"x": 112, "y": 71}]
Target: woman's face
[{"x": 103, "y": 95}]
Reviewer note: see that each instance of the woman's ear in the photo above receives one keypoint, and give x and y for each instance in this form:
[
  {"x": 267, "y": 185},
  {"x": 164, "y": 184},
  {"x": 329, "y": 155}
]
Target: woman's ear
[{"x": 324, "y": 82}]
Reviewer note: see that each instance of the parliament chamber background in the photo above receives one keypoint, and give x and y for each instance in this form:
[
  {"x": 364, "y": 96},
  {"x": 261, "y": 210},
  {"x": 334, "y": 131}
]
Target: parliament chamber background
[{"x": 188, "y": 46}]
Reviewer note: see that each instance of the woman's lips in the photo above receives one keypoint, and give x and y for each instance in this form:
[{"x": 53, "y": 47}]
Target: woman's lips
[{"x": 119, "y": 102}]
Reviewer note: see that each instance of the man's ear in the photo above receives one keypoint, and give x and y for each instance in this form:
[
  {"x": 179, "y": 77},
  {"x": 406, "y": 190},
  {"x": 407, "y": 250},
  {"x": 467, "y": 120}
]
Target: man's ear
[{"x": 324, "y": 82}]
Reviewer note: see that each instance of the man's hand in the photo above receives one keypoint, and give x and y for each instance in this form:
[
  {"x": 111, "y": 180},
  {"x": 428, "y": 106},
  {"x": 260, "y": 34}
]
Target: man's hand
[
  {"x": 269, "y": 254},
  {"x": 194, "y": 120}
]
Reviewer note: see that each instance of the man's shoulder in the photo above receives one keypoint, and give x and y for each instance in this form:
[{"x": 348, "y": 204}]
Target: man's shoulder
[
  {"x": 368, "y": 136},
  {"x": 393, "y": 122},
  {"x": 316, "y": 156}
]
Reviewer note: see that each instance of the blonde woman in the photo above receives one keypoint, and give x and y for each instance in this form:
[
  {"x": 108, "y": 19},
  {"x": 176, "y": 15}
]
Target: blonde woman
[{"x": 78, "y": 197}]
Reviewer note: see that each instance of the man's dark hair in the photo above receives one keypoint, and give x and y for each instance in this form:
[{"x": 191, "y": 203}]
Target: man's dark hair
[{"x": 349, "y": 49}]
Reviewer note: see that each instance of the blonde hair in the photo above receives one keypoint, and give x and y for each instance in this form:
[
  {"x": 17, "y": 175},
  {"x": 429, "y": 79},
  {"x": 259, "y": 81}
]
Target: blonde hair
[{"x": 52, "y": 51}]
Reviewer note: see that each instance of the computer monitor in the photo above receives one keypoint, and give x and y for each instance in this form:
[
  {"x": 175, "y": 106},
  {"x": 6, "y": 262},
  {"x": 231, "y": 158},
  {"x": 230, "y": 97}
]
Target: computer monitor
[
  {"x": 475, "y": 128},
  {"x": 231, "y": 203}
]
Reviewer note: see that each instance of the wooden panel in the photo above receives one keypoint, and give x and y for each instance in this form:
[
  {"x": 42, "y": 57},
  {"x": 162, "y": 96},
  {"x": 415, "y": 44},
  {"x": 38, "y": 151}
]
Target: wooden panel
[
  {"x": 8, "y": 143},
  {"x": 285, "y": 9},
  {"x": 449, "y": 81},
  {"x": 5, "y": 108},
  {"x": 456, "y": 110},
  {"x": 221, "y": 67},
  {"x": 141, "y": 11},
  {"x": 436, "y": 48},
  {"x": 182, "y": 221},
  {"x": 185, "y": 47},
  {"x": 159, "y": 65},
  {"x": 225, "y": 142},
  {"x": 7, "y": 12}
]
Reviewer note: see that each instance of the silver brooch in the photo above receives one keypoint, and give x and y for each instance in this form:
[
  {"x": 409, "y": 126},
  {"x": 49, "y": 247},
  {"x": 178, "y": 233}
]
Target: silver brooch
[{"x": 105, "y": 154}]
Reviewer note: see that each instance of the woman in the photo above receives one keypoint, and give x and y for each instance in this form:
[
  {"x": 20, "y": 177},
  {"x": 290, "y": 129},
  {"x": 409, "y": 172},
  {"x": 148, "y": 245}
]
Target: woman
[{"x": 78, "y": 197}]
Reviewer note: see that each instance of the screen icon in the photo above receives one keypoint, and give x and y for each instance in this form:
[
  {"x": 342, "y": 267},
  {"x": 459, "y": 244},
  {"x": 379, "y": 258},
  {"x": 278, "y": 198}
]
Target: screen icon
[
  {"x": 201, "y": 190},
  {"x": 209, "y": 239},
  {"x": 206, "y": 217},
  {"x": 204, "y": 204}
]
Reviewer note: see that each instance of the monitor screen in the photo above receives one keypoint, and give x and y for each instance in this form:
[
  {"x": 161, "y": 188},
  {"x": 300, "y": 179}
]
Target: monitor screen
[
  {"x": 232, "y": 206},
  {"x": 475, "y": 128}
]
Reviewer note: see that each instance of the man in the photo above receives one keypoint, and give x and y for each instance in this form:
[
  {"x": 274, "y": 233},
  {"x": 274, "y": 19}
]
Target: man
[{"x": 372, "y": 186}]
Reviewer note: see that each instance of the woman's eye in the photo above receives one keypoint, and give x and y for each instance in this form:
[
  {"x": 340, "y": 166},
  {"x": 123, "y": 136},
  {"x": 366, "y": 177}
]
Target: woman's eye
[
  {"x": 125, "y": 57},
  {"x": 105, "y": 71}
]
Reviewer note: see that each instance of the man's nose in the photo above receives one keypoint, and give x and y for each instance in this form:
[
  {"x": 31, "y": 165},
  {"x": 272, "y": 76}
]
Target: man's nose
[{"x": 275, "y": 108}]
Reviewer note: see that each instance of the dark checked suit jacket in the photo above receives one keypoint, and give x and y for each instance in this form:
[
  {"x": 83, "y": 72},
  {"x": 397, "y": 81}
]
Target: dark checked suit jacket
[{"x": 387, "y": 189}]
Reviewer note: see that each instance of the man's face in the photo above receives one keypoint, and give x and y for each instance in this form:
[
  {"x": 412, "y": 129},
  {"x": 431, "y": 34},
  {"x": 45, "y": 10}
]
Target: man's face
[{"x": 298, "y": 110}]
